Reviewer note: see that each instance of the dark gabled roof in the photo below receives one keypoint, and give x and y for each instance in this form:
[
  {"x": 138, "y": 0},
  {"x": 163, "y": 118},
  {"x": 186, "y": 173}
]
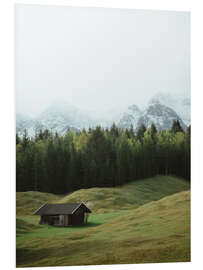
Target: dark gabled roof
[{"x": 60, "y": 209}]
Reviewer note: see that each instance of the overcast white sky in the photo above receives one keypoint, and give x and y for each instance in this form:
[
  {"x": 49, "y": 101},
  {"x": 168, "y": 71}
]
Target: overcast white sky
[{"x": 99, "y": 59}]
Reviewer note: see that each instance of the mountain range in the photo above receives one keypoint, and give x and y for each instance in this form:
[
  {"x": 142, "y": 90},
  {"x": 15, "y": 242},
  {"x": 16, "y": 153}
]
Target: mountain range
[{"x": 161, "y": 110}]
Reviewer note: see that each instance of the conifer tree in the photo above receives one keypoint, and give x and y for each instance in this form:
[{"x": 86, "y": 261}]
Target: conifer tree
[
  {"x": 140, "y": 132},
  {"x": 176, "y": 127},
  {"x": 98, "y": 157}
]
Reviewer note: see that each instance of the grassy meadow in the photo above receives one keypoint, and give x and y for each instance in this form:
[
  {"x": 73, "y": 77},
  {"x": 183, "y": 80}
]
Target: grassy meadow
[{"x": 144, "y": 221}]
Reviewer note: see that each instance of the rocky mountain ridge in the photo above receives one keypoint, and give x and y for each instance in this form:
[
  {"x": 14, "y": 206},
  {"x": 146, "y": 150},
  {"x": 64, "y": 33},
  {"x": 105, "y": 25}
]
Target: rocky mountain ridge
[{"x": 62, "y": 116}]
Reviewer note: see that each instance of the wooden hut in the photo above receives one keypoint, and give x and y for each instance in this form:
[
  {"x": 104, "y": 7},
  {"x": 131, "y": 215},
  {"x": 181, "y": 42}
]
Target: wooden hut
[{"x": 63, "y": 215}]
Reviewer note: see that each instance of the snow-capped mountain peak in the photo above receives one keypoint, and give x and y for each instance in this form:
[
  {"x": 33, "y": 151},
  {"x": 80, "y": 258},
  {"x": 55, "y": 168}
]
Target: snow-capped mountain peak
[
  {"x": 179, "y": 103},
  {"x": 161, "y": 110},
  {"x": 160, "y": 115}
]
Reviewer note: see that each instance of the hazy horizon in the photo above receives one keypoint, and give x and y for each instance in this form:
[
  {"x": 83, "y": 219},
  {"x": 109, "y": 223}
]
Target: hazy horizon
[{"x": 99, "y": 59}]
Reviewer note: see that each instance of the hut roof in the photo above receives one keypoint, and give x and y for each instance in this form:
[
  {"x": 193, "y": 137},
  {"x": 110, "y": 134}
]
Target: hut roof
[{"x": 60, "y": 209}]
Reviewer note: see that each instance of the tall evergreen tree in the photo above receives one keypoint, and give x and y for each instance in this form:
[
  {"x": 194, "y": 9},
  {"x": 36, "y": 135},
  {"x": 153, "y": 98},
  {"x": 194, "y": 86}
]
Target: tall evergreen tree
[
  {"x": 18, "y": 140},
  {"x": 140, "y": 132},
  {"x": 98, "y": 157},
  {"x": 176, "y": 127}
]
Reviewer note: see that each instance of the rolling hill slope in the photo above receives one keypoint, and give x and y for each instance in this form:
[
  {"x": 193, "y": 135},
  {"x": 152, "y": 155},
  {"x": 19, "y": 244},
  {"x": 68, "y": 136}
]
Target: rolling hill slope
[
  {"x": 23, "y": 226},
  {"x": 158, "y": 231},
  {"x": 101, "y": 200},
  {"x": 28, "y": 202},
  {"x": 128, "y": 196}
]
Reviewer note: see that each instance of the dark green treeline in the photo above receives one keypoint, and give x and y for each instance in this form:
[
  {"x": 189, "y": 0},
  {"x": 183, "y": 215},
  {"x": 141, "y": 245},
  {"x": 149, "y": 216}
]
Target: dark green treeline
[{"x": 99, "y": 157}]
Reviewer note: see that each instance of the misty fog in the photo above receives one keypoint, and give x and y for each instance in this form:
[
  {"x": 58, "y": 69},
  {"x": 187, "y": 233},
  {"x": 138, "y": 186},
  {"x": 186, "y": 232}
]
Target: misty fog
[{"x": 99, "y": 59}]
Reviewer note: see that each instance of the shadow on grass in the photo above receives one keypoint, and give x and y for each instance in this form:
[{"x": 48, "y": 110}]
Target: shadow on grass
[
  {"x": 82, "y": 226},
  {"x": 87, "y": 225},
  {"x": 24, "y": 255}
]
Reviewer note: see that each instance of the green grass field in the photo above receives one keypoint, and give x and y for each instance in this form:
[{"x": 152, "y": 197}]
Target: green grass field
[{"x": 136, "y": 223}]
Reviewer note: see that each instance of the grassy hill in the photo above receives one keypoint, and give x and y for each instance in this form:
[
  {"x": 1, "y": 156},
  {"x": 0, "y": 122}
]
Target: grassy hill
[
  {"x": 102, "y": 200},
  {"x": 158, "y": 231},
  {"x": 128, "y": 196},
  {"x": 28, "y": 202},
  {"x": 144, "y": 221},
  {"x": 23, "y": 226}
]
